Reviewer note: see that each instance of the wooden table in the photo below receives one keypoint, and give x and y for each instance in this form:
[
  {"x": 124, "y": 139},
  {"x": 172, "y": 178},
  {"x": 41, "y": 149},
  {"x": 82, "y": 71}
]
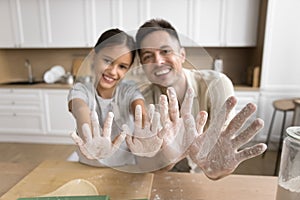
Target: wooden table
[
  {"x": 173, "y": 186},
  {"x": 177, "y": 186}
]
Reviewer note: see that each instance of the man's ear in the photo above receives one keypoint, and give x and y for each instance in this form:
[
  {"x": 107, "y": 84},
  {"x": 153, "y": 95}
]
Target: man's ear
[{"x": 182, "y": 54}]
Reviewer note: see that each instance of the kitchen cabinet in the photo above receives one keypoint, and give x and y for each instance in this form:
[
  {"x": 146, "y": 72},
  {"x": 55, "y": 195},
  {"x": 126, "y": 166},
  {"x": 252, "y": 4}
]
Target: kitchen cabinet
[
  {"x": 51, "y": 23},
  {"x": 31, "y": 27},
  {"x": 67, "y": 23},
  {"x": 225, "y": 23},
  {"x": 241, "y": 22},
  {"x": 44, "y": 23},
  {"x": 59, "y": 120},
  {"x": 8, "y": 29},
  {"x": 215, "y": 23},
  {"x": 22, "y": 24},
  {"x": 35, "y": 115},
  {"x": 21, "y": 112}
]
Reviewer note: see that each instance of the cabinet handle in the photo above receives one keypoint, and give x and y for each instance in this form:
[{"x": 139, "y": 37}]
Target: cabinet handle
[
  {"x": 14, "y": 114},
  {"x": 13, "y": 103}
]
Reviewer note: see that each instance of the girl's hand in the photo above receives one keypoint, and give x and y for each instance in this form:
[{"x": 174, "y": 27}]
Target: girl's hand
[{"x": 97, "y": 142}]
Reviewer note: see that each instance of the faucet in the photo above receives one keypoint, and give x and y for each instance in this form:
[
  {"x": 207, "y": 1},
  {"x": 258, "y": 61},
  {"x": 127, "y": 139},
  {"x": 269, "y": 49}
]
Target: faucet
[{"x": 28, "y": 65}]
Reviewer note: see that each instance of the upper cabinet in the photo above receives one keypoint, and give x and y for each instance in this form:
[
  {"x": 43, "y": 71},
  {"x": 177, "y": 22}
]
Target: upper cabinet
[
  {"x": 8, "y": 28},
  {"x": 241, "y": 22},
  {"x": 67, "y": 23},
  {"x": 22, "y": 24},
  {"x": 225, "y": 23},
  {"x": 78, "y": 23}
]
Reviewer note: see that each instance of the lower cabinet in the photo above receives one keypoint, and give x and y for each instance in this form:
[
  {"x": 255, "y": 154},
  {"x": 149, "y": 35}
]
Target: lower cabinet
[
  {"x": 21, "y": 111},
  {"x": 35, "y": 115},
  {"x": 42, "y": 116},
  {"x": 59, "y": 120}
]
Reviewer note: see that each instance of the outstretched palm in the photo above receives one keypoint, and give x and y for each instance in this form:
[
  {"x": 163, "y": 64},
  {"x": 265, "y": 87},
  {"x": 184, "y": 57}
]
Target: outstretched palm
[
  {"x": 216, "y": 151},
  {"x": 98, "y": 144}
]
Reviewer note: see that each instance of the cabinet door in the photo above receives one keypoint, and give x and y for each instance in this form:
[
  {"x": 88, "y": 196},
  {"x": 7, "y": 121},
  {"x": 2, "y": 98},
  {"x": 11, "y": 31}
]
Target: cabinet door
[
  {"x": 7, "y": 22},
  {"x": 67, "y": 23},
  {"x": 21, "y": 112},
  {"x": 31, "y": 23},
  {"x": 59, "y": 119},
  {"x": 102, "y": 11},
  {"x": 208, "y": 20},
  {"x": 178, "y": 13},
  {"x": 241, "y": 21}
]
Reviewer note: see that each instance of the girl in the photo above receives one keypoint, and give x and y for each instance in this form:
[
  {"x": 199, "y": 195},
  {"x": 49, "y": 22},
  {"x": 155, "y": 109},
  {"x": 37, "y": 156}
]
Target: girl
[{"x": 93, "y": 103}]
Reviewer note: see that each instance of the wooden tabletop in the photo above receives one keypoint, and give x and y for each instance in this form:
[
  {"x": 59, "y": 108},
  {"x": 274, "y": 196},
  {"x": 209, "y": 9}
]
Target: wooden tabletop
[
  {"x": 170, "y": 185},
  {"x": 177, "y": 186}
]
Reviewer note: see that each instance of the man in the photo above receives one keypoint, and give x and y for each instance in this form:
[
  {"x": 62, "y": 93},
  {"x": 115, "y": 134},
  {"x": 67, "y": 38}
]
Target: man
[
  {"x": 216, "y": 150},
  {"x": 185, "y": 97}
]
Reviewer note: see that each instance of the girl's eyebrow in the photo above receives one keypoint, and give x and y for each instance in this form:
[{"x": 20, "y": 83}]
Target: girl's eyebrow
[{"x": 112, "y": 59}]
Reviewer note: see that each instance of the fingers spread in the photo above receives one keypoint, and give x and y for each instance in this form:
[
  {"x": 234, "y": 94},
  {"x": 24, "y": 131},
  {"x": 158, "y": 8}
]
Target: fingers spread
[
  {"x": 118, "y": 140},
  {"x": 238, "y": 121},
  {"x": 201, "y": 121},
  {"x": 219, "y": 120},
  {"x": 248, "y": 133},
  {"x": 174, "y": 108},
  {"x": 76, "y": 138},
  {"x": 138, "y": 117},
  {"x": 95, "y": 124},
  {"x": 86, "y": 131},
  {"x": 155, "y": 126},
  {"x": 81, "y": 145},
  {"x": 107, "y": 125},
  {"x": 187, "y": 103},
  {"x": 250, "y": 152},
  {"x": 189, "y": 123},
  {"x": 151, "y": 110},
  {"x": 163, "y": 109}
]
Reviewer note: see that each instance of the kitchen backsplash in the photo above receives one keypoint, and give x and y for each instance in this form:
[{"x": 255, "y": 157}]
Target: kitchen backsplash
[{"x": 236, "y": 61}]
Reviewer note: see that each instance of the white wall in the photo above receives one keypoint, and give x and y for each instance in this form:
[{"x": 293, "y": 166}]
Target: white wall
[{"x": 281, "y": 60}]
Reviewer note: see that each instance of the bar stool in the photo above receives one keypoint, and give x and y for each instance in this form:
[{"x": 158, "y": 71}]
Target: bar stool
[
  {"x": 284, "y": 105},
  {"x": 296, "y": 120}
]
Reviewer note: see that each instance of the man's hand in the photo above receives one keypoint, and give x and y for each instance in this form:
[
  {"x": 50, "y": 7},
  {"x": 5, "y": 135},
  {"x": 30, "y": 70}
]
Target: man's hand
[
  {"x": 145, "y": 141},
  {"x": 216, "y": 151},
  {"x": 97, "y": 143},
  {"x": 176, "y": 132}
]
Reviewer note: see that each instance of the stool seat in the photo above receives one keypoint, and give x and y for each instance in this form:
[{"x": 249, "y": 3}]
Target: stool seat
[{"x": 284, "y": 104}]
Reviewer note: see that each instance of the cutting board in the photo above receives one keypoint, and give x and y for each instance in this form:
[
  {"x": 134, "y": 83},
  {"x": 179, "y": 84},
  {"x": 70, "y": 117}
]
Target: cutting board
[{"x": 50, "y": 175}]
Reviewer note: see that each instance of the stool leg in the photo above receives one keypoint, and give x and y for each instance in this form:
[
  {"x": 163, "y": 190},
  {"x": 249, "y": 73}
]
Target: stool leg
[
  {"x": 280, "y": 145},
  {"x": 270, "y": 130}
]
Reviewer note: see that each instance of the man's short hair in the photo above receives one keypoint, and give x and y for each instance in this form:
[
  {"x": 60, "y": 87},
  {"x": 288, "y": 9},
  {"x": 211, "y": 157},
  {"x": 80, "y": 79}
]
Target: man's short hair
[{"x": 154, "y": 25}]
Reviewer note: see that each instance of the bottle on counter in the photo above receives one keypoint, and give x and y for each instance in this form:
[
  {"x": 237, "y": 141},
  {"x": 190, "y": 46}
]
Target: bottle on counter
[
  {"x": 218, "y": 65},
  {"x": 289, "y": 173}
]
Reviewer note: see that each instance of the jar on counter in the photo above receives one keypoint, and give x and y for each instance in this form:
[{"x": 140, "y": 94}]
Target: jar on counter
[{"x": 289, "y": 173}]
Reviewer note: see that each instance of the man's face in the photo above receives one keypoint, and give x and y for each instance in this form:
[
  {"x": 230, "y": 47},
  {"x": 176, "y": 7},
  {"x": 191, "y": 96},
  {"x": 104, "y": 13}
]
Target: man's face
[{"x": 162, "y": 58}]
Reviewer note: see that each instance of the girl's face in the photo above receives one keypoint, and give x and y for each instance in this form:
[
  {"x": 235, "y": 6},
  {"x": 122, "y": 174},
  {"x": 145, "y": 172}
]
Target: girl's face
[{"x": 111, "y": 64}]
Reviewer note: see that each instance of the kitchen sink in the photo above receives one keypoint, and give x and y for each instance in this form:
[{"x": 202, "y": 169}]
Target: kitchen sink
[{"x": 23, "y": 83}]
